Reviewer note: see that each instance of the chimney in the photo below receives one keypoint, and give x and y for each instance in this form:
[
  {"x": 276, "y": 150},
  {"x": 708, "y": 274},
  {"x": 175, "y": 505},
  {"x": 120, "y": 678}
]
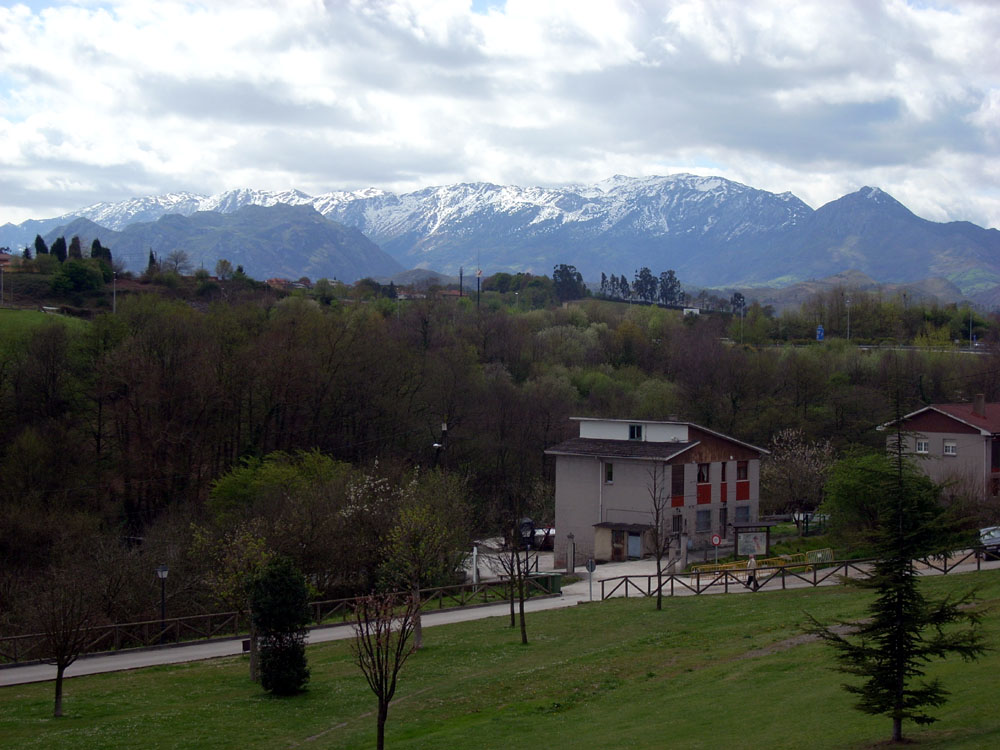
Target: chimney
[{"x": 979, "y": 405}]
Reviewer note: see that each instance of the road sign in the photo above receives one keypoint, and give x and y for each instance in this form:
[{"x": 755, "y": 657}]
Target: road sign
[
  {"x": 591, "y": 566},
  {"x": 819, "y": 333},
  {"x": 716, "y": 540}
]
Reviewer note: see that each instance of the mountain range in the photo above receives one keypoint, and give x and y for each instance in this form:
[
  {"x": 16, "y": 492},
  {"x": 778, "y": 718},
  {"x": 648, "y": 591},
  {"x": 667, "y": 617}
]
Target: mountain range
[{"x": 713, "y": 232}]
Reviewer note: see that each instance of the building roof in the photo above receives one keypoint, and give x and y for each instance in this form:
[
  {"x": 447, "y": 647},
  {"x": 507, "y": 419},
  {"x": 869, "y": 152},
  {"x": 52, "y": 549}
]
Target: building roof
[
  {"x": 987, "y": 423},
  {"x": 636, "y": 449}
]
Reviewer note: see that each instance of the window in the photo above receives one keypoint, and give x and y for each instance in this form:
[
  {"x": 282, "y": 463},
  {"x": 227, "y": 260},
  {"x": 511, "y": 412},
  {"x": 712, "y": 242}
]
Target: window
[
  {"x": 723, "y": 521},
  {"x": 742, "y": 514},
  {"x": 703, "y": 520},
  {"x": 923, "y": 446},
  {"x": 741, "y": 471},
  {"x": 723, "y": 472},
  {"x": 703, "y": 473},
  {"x": 677, "y": 523},
  {"x": 609, "y": 473},
  {"x": 635, "y": 432},
  {"x": 677, "y": 481},
  {"x": 950, "y": 448}
]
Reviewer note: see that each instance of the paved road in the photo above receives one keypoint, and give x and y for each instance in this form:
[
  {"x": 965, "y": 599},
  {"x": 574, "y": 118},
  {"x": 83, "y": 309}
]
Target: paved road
[{"x": 572, "y": 595}]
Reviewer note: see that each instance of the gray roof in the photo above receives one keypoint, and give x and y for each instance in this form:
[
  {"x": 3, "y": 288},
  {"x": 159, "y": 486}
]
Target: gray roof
[{"x": 636, "y": 449}]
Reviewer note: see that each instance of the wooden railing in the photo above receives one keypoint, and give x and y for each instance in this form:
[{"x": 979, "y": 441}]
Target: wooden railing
[
  {"x": 813, "y": 574},
  {"x": 18, "y": 649}
]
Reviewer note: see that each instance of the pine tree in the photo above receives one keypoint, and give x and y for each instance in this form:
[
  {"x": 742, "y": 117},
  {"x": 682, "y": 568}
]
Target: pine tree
[
  {"x": 59, "y": 249},
  {"x": 904, "y": 630},
  {"x": 75, "y": 248},
  {"x": 40, "y": 247},
  {"x": 152, "y": 266}
]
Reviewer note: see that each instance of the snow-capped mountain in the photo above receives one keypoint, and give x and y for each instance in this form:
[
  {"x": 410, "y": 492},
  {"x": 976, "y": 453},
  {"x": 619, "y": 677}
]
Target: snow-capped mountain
[{"x": 710, "y": 230}]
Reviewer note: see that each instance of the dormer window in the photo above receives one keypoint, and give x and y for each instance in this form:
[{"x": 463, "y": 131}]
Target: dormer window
[{"x": 635, "y": 432}]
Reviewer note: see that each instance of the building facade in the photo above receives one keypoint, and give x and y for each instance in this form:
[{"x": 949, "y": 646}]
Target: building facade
[
  {"x": 957, "y": 443},
  {"x": 605, "y": 478}
]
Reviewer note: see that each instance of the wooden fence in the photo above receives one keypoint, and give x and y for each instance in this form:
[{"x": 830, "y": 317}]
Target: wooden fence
[
  {"x": 700, "y": 582},
  {"x": 18, "y": 649}
]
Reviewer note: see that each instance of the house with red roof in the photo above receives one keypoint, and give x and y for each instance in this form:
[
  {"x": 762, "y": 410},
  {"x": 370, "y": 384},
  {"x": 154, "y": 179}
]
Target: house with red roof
[{"x": 956, "y": 442}]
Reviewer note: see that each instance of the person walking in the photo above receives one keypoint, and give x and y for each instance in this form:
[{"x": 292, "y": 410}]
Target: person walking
[{"x": 752, "y": 573}]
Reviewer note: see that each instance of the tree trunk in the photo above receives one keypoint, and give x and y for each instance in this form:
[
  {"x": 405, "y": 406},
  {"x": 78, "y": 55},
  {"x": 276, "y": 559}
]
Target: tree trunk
[
  {"x": 383, "y": 713},
  {"x": 513, "y": 565},
  {"x": 418, "y": 629},
  {"x": 520, "y": 599},
  {"x": 60, "y": 668},
  {"x": 254, "y": 654},
  {"x": 659, "y": 582},
  {"x": 897, "y": 729}
]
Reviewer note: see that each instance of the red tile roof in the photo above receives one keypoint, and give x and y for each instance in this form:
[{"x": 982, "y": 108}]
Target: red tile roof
[{"x": 989, "y": 421}]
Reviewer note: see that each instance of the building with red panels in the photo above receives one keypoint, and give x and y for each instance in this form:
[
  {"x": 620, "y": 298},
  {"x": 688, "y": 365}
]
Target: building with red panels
[{"x": 604, "y": 480}]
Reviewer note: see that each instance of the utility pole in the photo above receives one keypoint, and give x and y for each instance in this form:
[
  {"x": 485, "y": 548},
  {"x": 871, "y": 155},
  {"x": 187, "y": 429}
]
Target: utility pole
[{"x": 114, "y": 292}]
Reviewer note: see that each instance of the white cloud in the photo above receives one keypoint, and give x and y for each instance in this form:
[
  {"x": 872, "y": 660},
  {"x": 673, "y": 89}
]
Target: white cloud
[{"x": 99, "y": 100}]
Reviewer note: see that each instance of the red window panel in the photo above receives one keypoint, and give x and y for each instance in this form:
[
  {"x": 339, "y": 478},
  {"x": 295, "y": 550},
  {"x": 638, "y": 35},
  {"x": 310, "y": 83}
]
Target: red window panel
[
  {"x": 677, "y": 501},
  {"x": 743, "y": 490},
  {"x": 723, "y": 491},
  {"x": 704, "y": 494}
]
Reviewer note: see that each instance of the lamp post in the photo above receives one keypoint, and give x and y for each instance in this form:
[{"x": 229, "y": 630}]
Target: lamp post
[{"x": 161, "y": 573}]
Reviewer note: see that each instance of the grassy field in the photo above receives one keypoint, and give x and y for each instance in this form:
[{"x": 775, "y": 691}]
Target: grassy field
[
  {"x": 16, "y": 323},
  {"x": 706, "y": 672}
]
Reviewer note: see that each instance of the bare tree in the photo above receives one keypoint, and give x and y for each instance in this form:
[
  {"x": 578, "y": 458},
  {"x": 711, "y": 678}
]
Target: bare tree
[
  {"x": 62, "y": 611},
  {"x": 659, "y": 504},
  {"x": 381, "y": 646},
  {"x": 177, "y": 261}
]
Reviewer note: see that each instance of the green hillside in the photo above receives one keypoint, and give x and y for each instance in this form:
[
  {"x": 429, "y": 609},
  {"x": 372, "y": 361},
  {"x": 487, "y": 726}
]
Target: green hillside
[{"x": 713, "y": 671}]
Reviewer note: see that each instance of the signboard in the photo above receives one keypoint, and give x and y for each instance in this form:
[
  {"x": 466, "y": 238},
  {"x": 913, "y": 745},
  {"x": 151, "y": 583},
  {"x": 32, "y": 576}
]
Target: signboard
[
  {"x": 751, "y": 543},
  {"x": 591, "y": 565},
  {"x": 819, "y": 332},
  {"x": 716, "y": 540}
]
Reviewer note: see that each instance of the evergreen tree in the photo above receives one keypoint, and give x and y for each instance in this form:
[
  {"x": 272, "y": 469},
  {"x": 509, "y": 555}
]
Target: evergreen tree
[
  {"x": 59, "y": 249},
  {"x": 97, "y": 250},
  {"x": 904, "y": 629},
  {"x": 604, "y": 284},
  {"x": 26, "y": 254},
  {"x": 152, "y": 266},
  {"x": 40, "y": 247},
  {"x": 279, "y": 604},
  {"x": 75, "y": 248}
]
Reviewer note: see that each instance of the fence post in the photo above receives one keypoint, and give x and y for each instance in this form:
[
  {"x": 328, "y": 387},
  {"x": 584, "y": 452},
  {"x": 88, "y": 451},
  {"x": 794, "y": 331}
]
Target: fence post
[{"x": 783, "y": 577}]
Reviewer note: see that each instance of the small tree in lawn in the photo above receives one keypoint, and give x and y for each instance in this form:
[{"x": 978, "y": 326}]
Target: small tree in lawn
[
  {"x": 279, "y": 605},
  {"x": 659, "y": 504},
  {"x": 234, "y": 559},
  {"x": 63, "y": 610},
  {"x": 383, "y": 627},
  {"x": 904, "y": 630},
  {"x": 428, "y": 534}
]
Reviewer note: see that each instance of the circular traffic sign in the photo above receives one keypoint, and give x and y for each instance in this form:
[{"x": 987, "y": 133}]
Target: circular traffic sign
[{"x": 716, "y": 540}]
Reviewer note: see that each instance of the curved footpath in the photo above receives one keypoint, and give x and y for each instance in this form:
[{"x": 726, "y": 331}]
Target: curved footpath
[{"x": 572, "y": 594}]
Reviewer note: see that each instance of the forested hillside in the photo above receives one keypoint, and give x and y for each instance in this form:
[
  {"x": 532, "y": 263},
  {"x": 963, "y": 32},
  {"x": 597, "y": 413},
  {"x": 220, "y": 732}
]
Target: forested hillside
[{"x": 113, "y": 433}]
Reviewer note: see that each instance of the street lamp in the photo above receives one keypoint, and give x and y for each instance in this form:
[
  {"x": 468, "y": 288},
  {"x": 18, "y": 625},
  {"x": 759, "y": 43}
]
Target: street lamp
[{"x": 161, "y": 573}]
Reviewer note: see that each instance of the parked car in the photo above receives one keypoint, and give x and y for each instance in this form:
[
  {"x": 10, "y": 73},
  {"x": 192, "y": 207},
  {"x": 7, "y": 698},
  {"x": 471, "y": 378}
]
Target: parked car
[
  {"x": 990, "y": 539},
  {"x": 545, "y": 537}
]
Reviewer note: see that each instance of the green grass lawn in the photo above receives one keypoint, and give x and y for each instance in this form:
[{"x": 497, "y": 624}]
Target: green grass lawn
[
  {"x": 710, "y": 671},
  {"x": 16, "y": 323}
]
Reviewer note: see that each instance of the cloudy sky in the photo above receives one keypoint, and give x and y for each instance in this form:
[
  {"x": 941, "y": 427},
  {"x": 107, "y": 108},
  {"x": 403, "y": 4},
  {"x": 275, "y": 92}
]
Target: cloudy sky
[{"x": 109, "y": 100}]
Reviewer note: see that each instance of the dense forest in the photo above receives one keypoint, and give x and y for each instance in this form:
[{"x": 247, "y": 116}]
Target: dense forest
[{"x": 176, "y": 428}]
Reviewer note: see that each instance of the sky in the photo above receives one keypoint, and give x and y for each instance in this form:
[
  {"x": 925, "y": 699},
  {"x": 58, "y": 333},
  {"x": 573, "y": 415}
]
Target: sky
[{"x": 103, "y": 101}]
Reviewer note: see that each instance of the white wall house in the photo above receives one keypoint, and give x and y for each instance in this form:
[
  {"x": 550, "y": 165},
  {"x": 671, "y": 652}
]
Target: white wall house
[{"x": 604, "y": 476}]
